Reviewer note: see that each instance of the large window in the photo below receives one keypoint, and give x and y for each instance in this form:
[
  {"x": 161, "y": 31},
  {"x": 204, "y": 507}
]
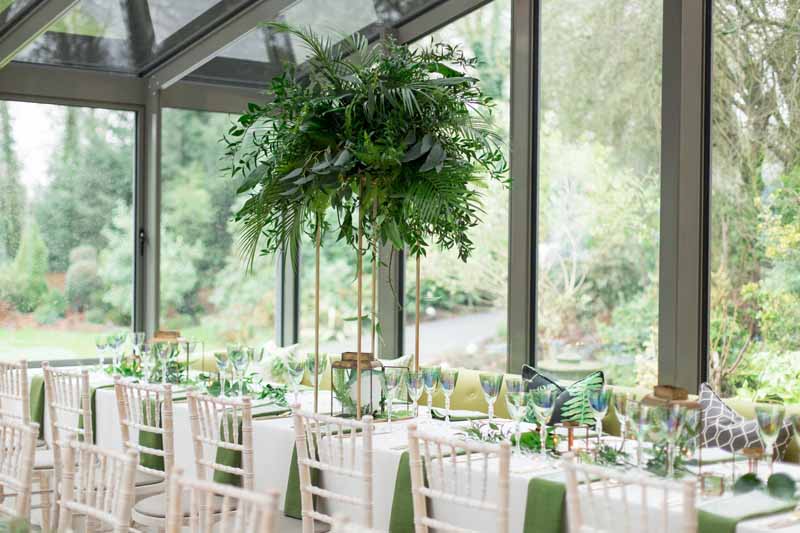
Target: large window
[
  {"x": 754, "y": 339},
  {"x": 599, "y": 189},
  {"x": 66, "y": 228},
  {"x": 464, "y": 306},
  {"x": 206, "y": 292}
]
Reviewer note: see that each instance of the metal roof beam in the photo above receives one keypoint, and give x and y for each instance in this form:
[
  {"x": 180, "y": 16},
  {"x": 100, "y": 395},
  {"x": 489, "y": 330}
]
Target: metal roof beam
[
  {"x": 209, "y": 46},
  {"x": 31, "y": 26}
]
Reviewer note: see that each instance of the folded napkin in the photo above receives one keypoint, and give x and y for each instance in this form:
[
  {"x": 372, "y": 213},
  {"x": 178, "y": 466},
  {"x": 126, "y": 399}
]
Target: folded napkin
[
  {"x": 36, "y": 393},
  {"x": 458, "y": 415},
  {"x": 723, "y": 515},
  {"x": 545, "y": 509}
]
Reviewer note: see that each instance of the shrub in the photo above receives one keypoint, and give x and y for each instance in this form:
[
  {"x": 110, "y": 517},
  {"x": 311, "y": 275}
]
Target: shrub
[
  {"x": 52, "y": 307},
  {"x": 83, "y": 253},
  {"x": 83, "y": 284}
]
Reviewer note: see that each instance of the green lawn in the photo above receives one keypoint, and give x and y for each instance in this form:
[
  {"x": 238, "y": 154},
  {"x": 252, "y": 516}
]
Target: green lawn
[{"x": 43, "y": 344}]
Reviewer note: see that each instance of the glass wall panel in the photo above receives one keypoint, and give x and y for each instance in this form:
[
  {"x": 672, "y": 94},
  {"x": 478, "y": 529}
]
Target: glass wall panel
[
  {"x": 206, "y": 292},
  {"x": 464, "y": 306},
  {"x": 599, "y": 189},
  {"x": 754, "y": 340},
  {"x": 66, "y": 228}
]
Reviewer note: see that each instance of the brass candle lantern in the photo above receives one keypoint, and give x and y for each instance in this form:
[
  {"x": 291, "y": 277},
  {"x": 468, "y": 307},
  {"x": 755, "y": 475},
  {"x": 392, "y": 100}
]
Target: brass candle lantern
[{"x": 350, "y": 394}]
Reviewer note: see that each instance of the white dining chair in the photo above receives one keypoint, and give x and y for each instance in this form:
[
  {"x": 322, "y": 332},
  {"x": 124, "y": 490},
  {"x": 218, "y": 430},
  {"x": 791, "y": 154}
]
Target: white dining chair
[
  {"x": 337, "y": 446},
  {"x": 605, "y": 500},
  {"x": 457, "y": 473},
  {"x": 219, "y": 508},
  {"x": 97, "y": 485},
  {"x": 17, "y": 449},
  {"x": 147, "y": 408},
  {"x": 210, "y": 434}
]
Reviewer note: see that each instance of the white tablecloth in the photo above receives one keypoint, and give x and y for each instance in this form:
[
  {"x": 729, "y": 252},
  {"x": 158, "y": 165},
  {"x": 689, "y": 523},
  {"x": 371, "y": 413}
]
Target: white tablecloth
[{"x": 274, "y": 440}]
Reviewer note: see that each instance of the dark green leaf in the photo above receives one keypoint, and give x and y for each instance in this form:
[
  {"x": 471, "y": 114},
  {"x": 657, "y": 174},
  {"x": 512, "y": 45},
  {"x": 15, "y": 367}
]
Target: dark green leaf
[
  {"x": 293, "y": 174},
  {"x": 781, "y": 486},
  {"x": 747, "y": 483},
  {"x": 434, "y": 159}
]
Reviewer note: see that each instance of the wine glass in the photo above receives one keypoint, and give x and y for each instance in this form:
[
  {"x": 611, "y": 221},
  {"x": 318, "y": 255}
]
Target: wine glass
[
  {"x": 101, "y": 343},
  {"x": 639, "y": 414},
  {"x": 430, "y": 380},
  {"x": 137, "y": 339},
  {"x": 163, "y": 351},
  {"x": 146, "y": 356},
  {"x": 448, "y": 377},
  {"x": 238, "y": 359},
  {"x": 621, "y": 400},
  {"x": 516, "y": 403},
  {"x": 255, "y": 355},
  {"x": 320, "y": 370},
  {"x": 415, "y": 385},
  {"x": 394, "y": 378},
  {"x": 115, "y": 340},
  {"x": 222, "y": 361},
  {"x": 191, "y": 348},
  {"x": 490, "y": 384},
  {"x": 671, "y": 419},
  {"x": 599, "y": 400},
  {"x": 770, "y": 420},
  {"x": 544, "y": 402},
  {"x": 296, "y": 367}
]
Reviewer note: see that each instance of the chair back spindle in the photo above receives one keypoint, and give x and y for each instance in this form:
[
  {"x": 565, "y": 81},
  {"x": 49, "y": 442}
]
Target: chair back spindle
[
  {"x": 17, "y": 450},
  {"x": 604, "y": 500},
  {"x": 337, "y": 446},
  {"x": 457, "y": 472},
  {"x": 221, "y": 423},
  {"x": 15, "y": 400}
]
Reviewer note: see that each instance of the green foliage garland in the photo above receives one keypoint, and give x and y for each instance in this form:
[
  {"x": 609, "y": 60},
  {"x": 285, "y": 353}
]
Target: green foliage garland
[{"x": 394, "y": 138}]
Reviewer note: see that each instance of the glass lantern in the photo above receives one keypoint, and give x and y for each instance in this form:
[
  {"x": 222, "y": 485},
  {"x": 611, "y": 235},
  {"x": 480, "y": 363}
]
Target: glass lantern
[{"x": 344, "y": 375}]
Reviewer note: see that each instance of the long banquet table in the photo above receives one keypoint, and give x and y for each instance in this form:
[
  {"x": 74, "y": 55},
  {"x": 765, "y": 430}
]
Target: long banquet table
[{"x": 274, "y": 444}]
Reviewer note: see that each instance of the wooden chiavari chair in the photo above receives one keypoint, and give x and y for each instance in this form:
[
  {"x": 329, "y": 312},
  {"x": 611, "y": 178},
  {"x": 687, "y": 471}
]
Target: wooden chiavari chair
[
  {"x": 219, "y": 508},
  {"x": 457, "y": 471},
  {"x": 97, "y": 485},
  {"x": 342, "y": 524},
  {"x": 17, "y": 449},
  {"x": 604, "y": 500},
  {"x": 147, "y": 408},
  {"x": 337, "y": 446}
]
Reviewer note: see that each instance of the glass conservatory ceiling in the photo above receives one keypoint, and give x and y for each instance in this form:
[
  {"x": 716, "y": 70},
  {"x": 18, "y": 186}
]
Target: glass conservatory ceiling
[{"x": 136, "y": 36}]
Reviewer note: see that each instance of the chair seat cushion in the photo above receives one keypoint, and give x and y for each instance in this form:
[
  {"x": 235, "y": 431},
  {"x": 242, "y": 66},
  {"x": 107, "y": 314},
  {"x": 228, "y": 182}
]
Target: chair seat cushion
[
  {"x": 43, "y": 459},
  {"x": 156, "y": 506},
  {"x": 144, "y": 479}
]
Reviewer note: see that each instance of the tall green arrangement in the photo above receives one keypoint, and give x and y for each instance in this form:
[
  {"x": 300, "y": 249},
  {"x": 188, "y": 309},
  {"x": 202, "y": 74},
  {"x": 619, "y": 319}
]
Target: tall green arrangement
[{"x": 396, "y": 141}]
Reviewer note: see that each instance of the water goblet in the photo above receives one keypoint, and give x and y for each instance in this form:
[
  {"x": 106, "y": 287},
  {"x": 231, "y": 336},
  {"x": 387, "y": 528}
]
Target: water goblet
[
  {"x": 544, "y": 402},
  {"x": 640, "y": 418},
  {"x": 101, "y": 343},
  {"x": 137, "y": 339},
  {"x": 239, "y": 361},
  {"x": 770, "y": 420},
  {"x": 516, "y": 403},
  {"x": 146, "y": 357},
  {"x": 448, "y": 378},
  {"x": 599, "y": 400},
  {"x": 295, "y": 367},
  {"x": 190, "y": 348},
  {"x": 621, "y": 400},
  {"x": 415, "y": 385},
  {"x": 671, "y": 419},
  {"x": 164, "y": 352},
  {"x": 115, "y": 340},
  {"x": 490, "y": 384},
  {"x": 320, "y": 370},
  {"x": 222, "y": 361},
  {"x": 430, "y": 381},
  {"x": 394, "y": 378}
]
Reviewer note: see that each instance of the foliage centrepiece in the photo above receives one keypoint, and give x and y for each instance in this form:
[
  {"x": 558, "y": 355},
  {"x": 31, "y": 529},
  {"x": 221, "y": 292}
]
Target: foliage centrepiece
[{"x": 394, "y": 138}]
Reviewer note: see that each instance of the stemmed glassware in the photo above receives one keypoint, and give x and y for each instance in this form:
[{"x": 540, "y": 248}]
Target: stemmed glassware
[
  {"x": 394, "y": 378},
  {"x": 222, "y": 361},
  {"x": 490, "y": 384},
  {"x": 621, "y": 400},
  {"x": 190, "y": 348},
  {"x": 296, "y": 367},
  {"x": 430, "y": 380},
  {"x": 101, "y": 343},
  {"x": 671, "y": 419},
  {"x": 255, "y": 356},
  {"x": 599, "y": 400},
  {"x": 146, "y": 356},
  {"x": 238, "y": 359},
  {"x": 544, "y": 402},
  {"x": 415, "y": 385},
  {"x": 516, "y": 403},
  {"x": 163, "y": 351},
  {"x": 137, "y": 340},
  {"x": 639, "y": 414},
  {"x": 115, "y": 340},
  {"x": 770, "y": 420},
  {"x": 323, "y": 365},
  {"x": 448, "y": 377}
]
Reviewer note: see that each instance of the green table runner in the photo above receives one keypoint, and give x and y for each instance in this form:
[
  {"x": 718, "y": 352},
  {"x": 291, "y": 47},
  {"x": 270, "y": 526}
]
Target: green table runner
[
  {"x": 545, "y": 509},
  {"x": 292, "y": 503},
  {"x": 402, "y": 518},
  {"x": 36, "y": 393},
  {"x": 722, "y": 516},
  {"x": 458, "y": 415}
]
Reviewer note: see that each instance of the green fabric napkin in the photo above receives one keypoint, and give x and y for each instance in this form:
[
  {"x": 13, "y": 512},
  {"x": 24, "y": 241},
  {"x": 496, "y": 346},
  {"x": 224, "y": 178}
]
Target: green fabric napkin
[
  {"x": 458, "y": 415},
  {"x": 292, "y": 503},
  {"x": 402, "y": 518},
  {"x": 722, "y": 515},
  {"x": 36, "y": 393},
  {"x": 154, "y": 441},
  {"x": 545, "y": 507}
]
